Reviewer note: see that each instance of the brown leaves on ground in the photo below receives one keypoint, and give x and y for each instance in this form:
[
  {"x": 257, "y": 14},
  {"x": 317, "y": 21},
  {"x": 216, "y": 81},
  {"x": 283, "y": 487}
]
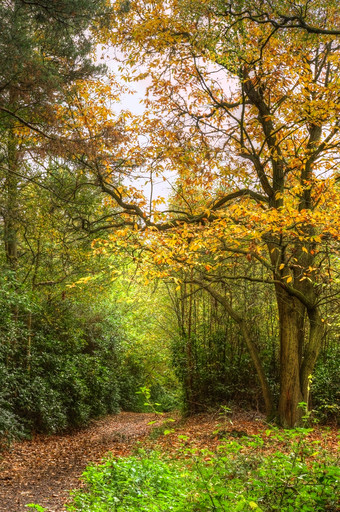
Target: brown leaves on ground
[
  {"x": 44, "y": 469},
  {"x": 208, "y": 431}
]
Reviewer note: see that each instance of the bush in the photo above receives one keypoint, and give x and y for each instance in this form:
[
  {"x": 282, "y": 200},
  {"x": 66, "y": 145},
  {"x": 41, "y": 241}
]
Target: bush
[
  {"x": 10, "y": 425},
  {"x": 239, "y": 477},
  {"x": 62, "y": 372},
  {"x": 137, "y": 483}
]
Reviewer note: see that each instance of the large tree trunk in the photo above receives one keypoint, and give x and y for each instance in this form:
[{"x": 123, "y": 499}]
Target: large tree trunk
[
  {"x": 291, "y": 318},
  {"x": 298, "y": 355}
]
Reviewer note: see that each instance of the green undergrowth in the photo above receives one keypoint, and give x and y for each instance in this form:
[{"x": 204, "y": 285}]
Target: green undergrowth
[{"x": 241, "y": 475}]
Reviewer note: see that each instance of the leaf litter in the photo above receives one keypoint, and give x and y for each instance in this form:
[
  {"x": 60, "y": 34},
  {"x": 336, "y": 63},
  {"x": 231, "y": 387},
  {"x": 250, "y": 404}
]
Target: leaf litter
[{"x": 44, "y": 469}]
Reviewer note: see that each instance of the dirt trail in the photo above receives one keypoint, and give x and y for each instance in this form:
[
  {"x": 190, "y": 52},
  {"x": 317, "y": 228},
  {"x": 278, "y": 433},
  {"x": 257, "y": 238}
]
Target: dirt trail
[{"x": 44, "y": 469}]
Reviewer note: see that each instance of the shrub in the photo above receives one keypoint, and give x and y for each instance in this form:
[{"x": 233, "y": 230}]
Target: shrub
[
  {"x": 10, "y": 426},
  {"x": 62, "y": 373},
  {"x": 239, "y": 477}
]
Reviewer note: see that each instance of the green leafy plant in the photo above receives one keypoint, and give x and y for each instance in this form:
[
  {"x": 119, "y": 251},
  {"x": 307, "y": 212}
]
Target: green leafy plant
[
  {"x": 240, "y": 476},
  {"x": 161, "y": 429},
  {"x": 38, "y": 508}
]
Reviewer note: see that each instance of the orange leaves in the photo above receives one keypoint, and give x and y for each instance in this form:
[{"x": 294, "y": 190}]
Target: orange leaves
[{"x": 224, "y": 113}]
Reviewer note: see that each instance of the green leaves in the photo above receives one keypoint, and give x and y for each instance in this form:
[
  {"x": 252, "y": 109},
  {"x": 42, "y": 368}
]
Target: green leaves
[
  {"x": 238, "y": 478},
  {"x": 36, "y": 507}
]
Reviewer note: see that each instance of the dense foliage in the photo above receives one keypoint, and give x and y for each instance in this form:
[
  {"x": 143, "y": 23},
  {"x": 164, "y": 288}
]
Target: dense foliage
[
  {"x": 243, "y": 122},
  {"x": 62, "y": 369},
  {"x": 214, "y": 366}
]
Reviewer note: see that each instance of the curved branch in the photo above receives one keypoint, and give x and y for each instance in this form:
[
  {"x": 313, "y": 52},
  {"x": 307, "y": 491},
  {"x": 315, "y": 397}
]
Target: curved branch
[
  {"x": 284, "y": 21},
  {"x": 239, "y": 193}
]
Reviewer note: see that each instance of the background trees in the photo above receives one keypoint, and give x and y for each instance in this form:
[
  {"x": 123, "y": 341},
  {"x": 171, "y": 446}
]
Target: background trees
[
  {"x": 61, "y": 343},
  {"x": 248, "y": 116}
]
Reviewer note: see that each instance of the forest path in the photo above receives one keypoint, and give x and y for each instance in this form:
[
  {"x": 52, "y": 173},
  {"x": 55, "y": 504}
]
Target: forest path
[{"x": 44, "y": 469}]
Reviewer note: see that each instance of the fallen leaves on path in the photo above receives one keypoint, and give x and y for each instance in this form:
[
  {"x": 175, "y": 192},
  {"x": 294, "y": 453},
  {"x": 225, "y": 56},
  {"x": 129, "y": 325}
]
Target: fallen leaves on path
[{"x": 45, "y": 468}]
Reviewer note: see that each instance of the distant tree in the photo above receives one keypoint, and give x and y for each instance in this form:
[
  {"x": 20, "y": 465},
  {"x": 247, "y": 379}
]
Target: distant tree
[{"x": 45, "y": 46}]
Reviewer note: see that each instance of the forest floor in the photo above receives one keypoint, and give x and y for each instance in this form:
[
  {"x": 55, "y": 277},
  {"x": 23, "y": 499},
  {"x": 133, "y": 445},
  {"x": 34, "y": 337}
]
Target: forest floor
[{"x": 44, "y": 469}]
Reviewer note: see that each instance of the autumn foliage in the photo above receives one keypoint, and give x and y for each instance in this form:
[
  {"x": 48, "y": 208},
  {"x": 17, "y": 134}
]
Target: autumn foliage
[{"x": 244, "y": 117}]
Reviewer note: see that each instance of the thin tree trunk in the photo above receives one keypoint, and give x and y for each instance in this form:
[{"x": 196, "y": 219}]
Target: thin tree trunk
[
  {"x": 266, "y": 392},
  {"x": 29, "y": 341},
  {"x": 11, "y": 213},
  {"x": 189, "y": 352},
  {"x": 11, "y": 209}
]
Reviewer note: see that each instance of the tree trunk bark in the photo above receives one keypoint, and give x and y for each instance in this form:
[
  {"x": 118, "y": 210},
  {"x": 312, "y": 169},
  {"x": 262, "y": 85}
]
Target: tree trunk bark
[
  {"x": 11, "y": 211},
  {"x": 11, "y": 203},
  {"x": 298, "y": 354},
  {"x": 290, "y": 389},
  {"x": 291, "y": 320}
]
